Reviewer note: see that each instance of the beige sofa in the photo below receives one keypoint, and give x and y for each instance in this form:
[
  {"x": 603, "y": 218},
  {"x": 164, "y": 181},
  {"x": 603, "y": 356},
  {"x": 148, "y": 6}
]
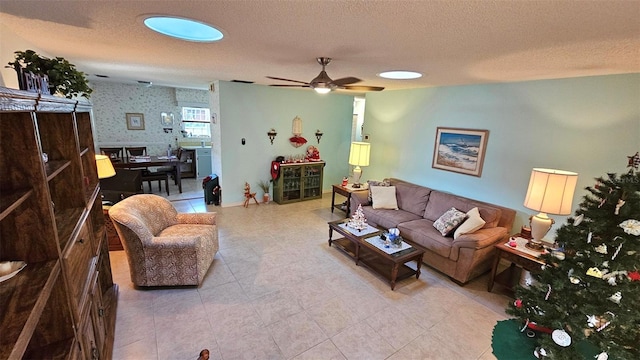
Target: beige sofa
[{"x": 419, "y": 207}]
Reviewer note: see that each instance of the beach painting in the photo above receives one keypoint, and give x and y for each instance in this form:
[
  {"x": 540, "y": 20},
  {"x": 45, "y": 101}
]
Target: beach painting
[{"x": 460, "y": 150}]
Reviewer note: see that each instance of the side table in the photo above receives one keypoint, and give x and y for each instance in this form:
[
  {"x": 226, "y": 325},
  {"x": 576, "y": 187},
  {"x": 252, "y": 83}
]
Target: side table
[
  {"x": 519, "y": 260},
  {"x": 346, "y": 192},
  {"x": 113, "y": 239}
]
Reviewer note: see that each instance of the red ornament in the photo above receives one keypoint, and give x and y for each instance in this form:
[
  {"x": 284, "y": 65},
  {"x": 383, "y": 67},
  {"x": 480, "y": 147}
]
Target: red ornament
[
  {"x": 518, "y": 303},
  {"x": 634, "y": 276},
  {"x": 536, "y": 327}
]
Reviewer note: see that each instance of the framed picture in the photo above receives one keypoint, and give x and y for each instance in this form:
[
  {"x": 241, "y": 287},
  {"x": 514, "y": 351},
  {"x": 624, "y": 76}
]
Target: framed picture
[
  {"x": 460, "y": 150},
  {"x": 135, "y": 121},
  {"x": 167, "y": 119}
]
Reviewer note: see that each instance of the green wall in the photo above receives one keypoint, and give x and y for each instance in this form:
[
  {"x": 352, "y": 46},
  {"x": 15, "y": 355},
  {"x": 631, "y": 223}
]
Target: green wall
[
  {"x": 249, "y": 111},
  {"x": 588, "y": 125}
]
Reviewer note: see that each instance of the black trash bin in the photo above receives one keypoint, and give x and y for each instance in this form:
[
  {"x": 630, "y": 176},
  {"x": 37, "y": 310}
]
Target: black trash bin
[{"x": 212, "y": 191}]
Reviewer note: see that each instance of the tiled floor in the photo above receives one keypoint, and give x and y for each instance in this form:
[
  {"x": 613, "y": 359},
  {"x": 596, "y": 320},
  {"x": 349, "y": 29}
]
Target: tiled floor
[{"x": 277, "y": 291}]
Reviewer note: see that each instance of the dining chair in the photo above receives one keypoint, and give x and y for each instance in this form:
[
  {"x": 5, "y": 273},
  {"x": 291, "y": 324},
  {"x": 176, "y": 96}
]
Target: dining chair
[
  {"x": 113, "y": 153},
  {"x": 136, "y": 151}
]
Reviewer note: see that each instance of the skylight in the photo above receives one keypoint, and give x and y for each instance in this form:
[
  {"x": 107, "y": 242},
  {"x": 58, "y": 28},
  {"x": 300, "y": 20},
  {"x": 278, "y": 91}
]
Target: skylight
[
  {"x": 184, "y": 29},
  {"x": 400, "y": 75}
]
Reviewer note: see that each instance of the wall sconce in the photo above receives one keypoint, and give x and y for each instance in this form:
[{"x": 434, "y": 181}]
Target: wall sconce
[
  {"x": 272, "y": 135},
  {"x": 318, "y": 135}
]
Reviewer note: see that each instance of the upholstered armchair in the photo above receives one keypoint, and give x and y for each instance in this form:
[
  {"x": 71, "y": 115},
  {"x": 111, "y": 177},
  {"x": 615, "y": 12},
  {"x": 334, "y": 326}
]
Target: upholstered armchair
[{"x": 164, "y": 247}]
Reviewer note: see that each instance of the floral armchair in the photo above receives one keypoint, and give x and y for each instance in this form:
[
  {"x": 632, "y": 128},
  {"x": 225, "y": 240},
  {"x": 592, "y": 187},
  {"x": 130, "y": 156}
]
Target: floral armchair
[{"x": 164, "y": 247}]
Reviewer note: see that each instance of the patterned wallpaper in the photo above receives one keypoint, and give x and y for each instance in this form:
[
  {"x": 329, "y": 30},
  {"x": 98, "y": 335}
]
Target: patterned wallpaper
[{"x": 112, "y": 101}]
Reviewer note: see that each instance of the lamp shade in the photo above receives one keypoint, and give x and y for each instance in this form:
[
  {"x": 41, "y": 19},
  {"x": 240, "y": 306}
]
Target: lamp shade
[
  {"x": 105, "y": 168},
  {"x": 551, "y": 191},
  {"x": 359, "y": 154}
]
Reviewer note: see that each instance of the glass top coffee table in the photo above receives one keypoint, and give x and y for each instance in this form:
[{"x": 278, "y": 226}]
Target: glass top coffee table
[{"x": 364, "y": 246}]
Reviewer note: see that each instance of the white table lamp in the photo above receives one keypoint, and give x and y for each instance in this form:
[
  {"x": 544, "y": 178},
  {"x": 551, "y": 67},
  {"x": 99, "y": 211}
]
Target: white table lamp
[
  {"x": 550, "y": 192},
  {"x": 359, "y": 156}
]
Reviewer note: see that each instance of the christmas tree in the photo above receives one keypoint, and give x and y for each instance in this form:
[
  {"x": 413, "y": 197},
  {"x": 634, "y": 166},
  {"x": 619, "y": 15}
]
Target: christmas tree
[{"x": 589, "y": 291}]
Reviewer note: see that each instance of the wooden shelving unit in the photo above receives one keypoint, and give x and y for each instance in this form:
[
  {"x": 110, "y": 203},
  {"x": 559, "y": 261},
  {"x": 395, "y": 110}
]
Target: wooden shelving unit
[{"x": 63, "y": 303}]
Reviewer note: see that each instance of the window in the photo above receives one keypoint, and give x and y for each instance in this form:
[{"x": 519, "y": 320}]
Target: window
[{"x": 195, "y": 122}]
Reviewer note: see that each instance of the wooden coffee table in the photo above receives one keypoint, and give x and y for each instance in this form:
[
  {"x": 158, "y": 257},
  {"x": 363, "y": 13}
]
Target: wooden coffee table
[{"x": 390, "y": 266}]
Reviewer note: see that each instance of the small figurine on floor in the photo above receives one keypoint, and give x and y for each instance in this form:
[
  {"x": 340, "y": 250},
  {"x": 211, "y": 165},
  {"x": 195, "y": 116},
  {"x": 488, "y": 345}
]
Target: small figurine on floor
[
  {"x": 248, "y": 195},
  {"x": 204, "y": 354}
]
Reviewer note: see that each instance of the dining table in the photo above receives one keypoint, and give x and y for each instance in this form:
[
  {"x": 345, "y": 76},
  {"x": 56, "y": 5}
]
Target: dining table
[{"x": 142, "y": 162}]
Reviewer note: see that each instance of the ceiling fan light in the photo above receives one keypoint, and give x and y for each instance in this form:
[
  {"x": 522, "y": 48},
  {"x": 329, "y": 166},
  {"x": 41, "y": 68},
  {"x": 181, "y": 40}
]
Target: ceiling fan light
[{"x": 322, "y": 90}]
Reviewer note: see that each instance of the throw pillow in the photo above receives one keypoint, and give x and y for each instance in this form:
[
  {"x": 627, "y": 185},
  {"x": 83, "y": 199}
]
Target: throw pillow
[
  {"x": 371, "y": 183},
  {"x": 473, "y": 223},
  {"x": 384, "y": 197},
  {"x": 448, "y": 221}
]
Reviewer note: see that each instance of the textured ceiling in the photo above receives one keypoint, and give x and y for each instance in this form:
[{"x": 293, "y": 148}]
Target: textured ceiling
[{"x": 452, "y": 42}]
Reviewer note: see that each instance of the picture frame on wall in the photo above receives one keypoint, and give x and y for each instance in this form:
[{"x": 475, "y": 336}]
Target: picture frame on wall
[
  {"x": 135, "y": 121},
  {"x": 460, "y": 150}
]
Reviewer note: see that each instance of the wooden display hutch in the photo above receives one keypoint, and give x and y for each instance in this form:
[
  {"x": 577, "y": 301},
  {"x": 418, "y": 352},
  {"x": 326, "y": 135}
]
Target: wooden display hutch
[
  {"x": 298, "y": 182},
  {"x": 63, "y": 303}
]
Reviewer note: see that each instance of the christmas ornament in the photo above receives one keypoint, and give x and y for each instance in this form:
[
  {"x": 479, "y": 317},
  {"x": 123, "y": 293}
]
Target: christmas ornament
[
  {"x": 518, "y": 303},
  {"x": 589, "y": 237},
  {"x": 634, "y": 276},
  {"x": 578, "y": 220},
  {"x": 602, "y": 202},
  {"x": 616, "y": 297},
  {"x": 546, "y": 297},
  {"x": 617, "y": 250},
  {"x": 602, "y": 356},
  {"x": 634, "y": 161},
  {"x": 574, "y": 280},
  {"x": 602, "y": 249},
  {"x": 595, "y": 272},
  {"x": 540, "y": 353},
  {"x": 620, "y": 204},
  {"x": 612, "y": 281},
  {"x": 631, "y": 227},
  {"x": 561, "y": 337},
  {"x": 592, "y": 320},
  {"x": 603, "y": 326}
]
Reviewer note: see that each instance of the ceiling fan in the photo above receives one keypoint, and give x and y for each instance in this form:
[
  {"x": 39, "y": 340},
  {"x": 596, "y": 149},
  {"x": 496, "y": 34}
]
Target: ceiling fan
[{"x": 323, "y": 84}]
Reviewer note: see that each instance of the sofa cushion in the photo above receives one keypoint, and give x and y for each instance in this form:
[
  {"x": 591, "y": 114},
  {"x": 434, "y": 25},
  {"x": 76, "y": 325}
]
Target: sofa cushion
[
  {"x": 371, "y": 183},
  {"x": 411, "y": 197},
  {"x": 448, "y": 221},
  {"x": 423, "y": 233},
  {"x": 387, "y": 218},
  {"x": 473, "y": 223},
  {"x": 439, "y": 202},
  {"x": 384, "y": 197}
]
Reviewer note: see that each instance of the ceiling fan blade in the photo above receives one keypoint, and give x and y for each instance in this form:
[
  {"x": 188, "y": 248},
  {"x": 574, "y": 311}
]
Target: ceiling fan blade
[
  {"x": 296, "y": 81},
  {"x": 364, "y": 88},
  {"x": 280, "y": 85},
  {"x": 346, "y": 81}
]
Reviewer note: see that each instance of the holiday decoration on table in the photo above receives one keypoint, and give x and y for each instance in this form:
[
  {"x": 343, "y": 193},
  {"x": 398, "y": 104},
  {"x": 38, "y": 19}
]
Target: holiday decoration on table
[
  {"x": 358, "y": 220},
  {"x": 599, "y": 276}
]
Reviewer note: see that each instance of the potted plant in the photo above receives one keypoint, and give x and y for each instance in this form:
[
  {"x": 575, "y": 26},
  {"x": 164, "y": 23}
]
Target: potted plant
[
  {"x": 64, "y": 78},
  {"x": 265, "y": 185}
]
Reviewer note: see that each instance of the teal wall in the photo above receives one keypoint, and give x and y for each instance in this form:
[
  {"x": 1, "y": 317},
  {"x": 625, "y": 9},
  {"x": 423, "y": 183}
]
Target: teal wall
[
  {"x": 588, "y": 125},
  {"x": 249, "y": 111}
]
